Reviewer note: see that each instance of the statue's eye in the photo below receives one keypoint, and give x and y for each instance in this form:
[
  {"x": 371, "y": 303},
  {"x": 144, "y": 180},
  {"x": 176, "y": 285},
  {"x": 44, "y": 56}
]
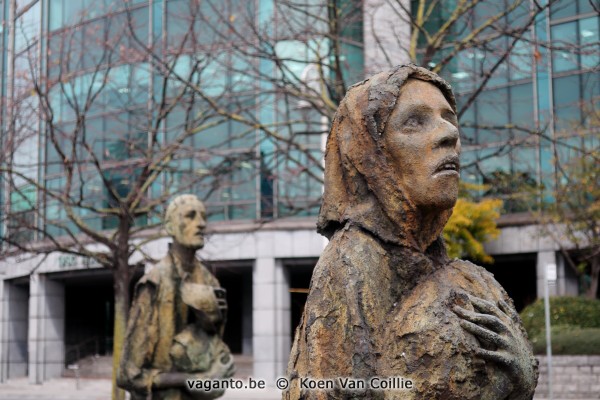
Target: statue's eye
[
  {"x": 191, "y": 215},
  {"x": 414, "y": 121},
  {"x": 451, "y": 117}
]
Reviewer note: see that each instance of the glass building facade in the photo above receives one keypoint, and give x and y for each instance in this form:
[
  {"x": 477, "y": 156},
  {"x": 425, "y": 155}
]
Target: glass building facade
[
  {"x": 547, "y": 88},
  {"x": 101, "y": 89},
  {"x": 99, "y": 83}
]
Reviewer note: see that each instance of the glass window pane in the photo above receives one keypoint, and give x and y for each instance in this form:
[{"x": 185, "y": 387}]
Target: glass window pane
[
  {"x": 564, "y": 37},
  {"x": 521, "y": 105},
  {"x": 585, "y": 6},
  {"x": 139, "y": 24},
  {"x": 566, "y": 102},
  {"x": 590, "y": 84},
  {"x": 96, "y": 50},
  {"x": 588, "y": 38},
  {"x": 23, "y": 199},
  {"x": 213, "y": 77},
  {"x": 241, "y": 135},
  {"x": 491, "y": 56},
  {"x": 467, "y": 121},
  {"x": 563, "y": 8},
  {"x": 176, "y": 12},
  {"x": 525, "y": 160},
  {"x": 73, "y": 13},
  {"x": 520, "y": 59},
  {"x": 242, "y": 74},
  {"x": 493, "y": 159},
  {"x": 468, "y": 171},
  {"x": 464, "y": 76},
  {"x": 244, "y": 211},
  {"x": 484, "y": 10},
  {"x": 26, "y": 151},
  {"x": 215, "y": 213},
  {"x": 492, "y": 115},
  {"x": 520, "y": 15},
  {"x": 211, "y": 137},
  {"x": 27, "y": 27},
  {"x": 118, "y": 87},
  {"x": 56, "y": 14}
]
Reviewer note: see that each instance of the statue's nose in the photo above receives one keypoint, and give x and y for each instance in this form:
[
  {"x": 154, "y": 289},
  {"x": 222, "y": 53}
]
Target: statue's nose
[{"x": 447, "y": 134}]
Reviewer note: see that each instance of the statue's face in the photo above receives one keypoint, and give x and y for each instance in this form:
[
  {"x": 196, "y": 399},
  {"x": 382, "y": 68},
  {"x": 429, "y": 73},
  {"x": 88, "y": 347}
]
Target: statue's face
[
  {"x": 188, "y": 223},
  {"x": 421, "y": 137}
]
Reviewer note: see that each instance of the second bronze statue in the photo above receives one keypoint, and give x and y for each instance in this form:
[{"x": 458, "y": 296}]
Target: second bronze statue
[{"x": 177, "y": 318}]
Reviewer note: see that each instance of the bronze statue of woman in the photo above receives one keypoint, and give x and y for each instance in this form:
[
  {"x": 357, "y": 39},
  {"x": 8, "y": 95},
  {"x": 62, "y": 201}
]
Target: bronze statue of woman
[{"x": 385, "y": 300}]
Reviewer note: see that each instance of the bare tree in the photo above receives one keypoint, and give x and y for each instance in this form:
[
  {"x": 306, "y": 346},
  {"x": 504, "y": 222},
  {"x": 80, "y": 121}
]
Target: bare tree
[
  {"x": 97, "y": 143},
  {"x": 225, "y": 99},
  {"x": 299, "y": 57},
  {"x": 573, "y": 219}
]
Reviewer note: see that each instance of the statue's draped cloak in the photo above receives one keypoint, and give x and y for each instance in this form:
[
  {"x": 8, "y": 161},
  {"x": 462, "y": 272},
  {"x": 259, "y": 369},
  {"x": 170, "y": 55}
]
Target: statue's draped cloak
[
  {"x": 378, "y": 306},
  {"x": 157, "y": 315}
]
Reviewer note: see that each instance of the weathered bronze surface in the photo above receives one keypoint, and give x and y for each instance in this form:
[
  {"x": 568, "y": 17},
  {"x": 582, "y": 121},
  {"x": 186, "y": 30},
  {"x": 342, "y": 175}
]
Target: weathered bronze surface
[
  {"x": 177, "y": 318},
  {"x": 385, "y": 300}
]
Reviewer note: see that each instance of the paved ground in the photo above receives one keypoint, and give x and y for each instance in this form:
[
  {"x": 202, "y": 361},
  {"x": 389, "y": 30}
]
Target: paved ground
[
  {"x": 97, "y": 389},
  {"x": 56, "y": 389}
]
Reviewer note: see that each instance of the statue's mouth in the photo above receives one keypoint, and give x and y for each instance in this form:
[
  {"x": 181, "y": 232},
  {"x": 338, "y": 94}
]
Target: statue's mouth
[{"x": 448, "y": 166}]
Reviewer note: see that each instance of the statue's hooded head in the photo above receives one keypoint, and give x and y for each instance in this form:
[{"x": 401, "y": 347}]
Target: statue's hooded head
[{"x": 392, "y": 158}]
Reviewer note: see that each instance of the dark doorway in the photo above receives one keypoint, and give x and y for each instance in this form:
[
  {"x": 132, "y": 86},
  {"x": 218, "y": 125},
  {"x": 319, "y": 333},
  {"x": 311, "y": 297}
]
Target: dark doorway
[
  {"x": 89, "y": 311},
  {"x": 300, "y": 276},
  {"x": 237, "y": 280},
  {"x": 517, "y": 274},
  {"x": 16, "y": 306},
  {"x": 89, "y": 304}
]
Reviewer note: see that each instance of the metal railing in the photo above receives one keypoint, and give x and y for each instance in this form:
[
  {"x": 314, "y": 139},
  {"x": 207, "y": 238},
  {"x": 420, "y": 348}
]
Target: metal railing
[{"x": 82, "y": 349}]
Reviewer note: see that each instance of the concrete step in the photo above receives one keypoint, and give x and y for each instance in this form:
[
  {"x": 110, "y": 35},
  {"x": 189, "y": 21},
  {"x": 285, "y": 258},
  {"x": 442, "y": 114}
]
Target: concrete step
[
  {"x": 243, "y": 366},
  {"x": 91, "y": 367},
  {"x": 98, "y": 367}
]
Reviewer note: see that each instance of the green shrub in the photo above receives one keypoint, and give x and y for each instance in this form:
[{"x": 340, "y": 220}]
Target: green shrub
[
  {"x": 564, "y": 311},
  {"x": 568, "y": 340}
]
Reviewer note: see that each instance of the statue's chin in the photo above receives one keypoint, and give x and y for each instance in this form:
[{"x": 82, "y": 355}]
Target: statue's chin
[
  {"x": 448, "y": 204},
  {"x": 441, "y": 205},
  {"x": 433, "y": 195},
  {"x": 193, "y": 246}
]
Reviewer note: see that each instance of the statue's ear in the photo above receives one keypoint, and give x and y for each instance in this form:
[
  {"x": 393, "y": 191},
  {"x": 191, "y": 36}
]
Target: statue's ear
[{"x": 169, "y": 228}]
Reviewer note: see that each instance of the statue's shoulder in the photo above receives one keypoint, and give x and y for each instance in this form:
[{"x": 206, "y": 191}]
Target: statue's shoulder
[
  {"x": 473, "y": 278},
  {"x": 353, "y": 240},
  {"x": 206, "y": 276},
  {"x": 350, "y": 251},
  {"x": 155, "y": 273},
  {"x": 468, "y": 268}
]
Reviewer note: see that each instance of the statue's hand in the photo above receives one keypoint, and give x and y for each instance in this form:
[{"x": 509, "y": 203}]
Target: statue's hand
[
  {"x": 223, "y": 367},
  {"x": 209, "y": 303},
  {"x": 497, "y": 328},
  {"x": 221, "y": 296}
]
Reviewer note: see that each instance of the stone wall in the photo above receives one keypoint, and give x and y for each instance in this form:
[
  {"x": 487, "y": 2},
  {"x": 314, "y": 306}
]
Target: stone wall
[{"x": 574, "y": 377}]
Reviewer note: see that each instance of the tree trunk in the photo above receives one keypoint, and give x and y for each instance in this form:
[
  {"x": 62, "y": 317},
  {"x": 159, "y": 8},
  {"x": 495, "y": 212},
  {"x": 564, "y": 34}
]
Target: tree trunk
[
  {"x": 121, "y": 285},
  {"x": 595, "y": 274}
]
